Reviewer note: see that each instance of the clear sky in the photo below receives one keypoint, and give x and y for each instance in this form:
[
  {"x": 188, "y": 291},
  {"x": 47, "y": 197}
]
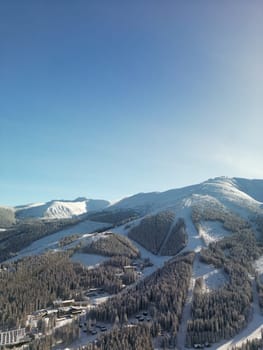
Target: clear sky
[{"x": 106, "y": 98}]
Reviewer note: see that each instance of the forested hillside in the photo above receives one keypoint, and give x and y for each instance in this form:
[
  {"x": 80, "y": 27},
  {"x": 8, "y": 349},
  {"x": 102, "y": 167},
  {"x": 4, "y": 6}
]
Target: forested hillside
[
  {"x": 115, "y": 217},
  {"x": 231, "y": 221},
  {"x": 24, "y": 233},
  {"x": 222, "y": 313},
  {"x": 112, "y": 244},
  {"x": 35, "y": 282},
  {"x": 152, "y": 230},
  {"x": 176, "y": 240},
  {"x": 162, "y": 294}
]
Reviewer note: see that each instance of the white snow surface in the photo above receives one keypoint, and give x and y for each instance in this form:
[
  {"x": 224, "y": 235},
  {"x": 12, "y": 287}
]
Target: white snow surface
[
  {"x": 60, "y": 209},
  {"x": 229, "y": 192},
  {"x": 65, "y": 209},
  {"x": 213, "y": 278},
  {"x": 258, "y": 264},
  {"x": 51, "y": 242},
  {"x": 212, "y": 231},
  {"x": 90, "y": 260},
  {"x": 242, "y": 196}
]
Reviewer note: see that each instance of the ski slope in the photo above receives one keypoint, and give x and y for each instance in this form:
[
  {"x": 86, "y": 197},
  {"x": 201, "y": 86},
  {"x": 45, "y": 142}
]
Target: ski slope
[
  {"x": 223, "y": 191},
  {"x": 51, "y": 242}
]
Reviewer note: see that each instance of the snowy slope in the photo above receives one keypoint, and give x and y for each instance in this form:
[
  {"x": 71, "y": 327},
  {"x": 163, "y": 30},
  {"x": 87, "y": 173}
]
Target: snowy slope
[
  {"x": 228, "y": 195},
  {"x": 239, "y": 195},
  {"x": 60, "y": 209},
  {"x": 225, "y": 196},
  {"x": 50, "y": 242},
  {"x": 243, "y": 196}
]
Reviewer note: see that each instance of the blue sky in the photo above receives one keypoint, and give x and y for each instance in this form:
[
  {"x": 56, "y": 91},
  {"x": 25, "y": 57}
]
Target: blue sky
[{"x": 109, "y": 98}]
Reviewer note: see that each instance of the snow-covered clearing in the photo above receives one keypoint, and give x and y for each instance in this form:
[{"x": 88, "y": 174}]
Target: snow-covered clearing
[
  {"x": 51, "y": 242},
  {"x": 258, "y": 264},
  {"x": 212, "y": 231},
  {"x": 195, "y": 243},
  {"x": 90, "y": 260},
  {"x": 213, "y": 278}
]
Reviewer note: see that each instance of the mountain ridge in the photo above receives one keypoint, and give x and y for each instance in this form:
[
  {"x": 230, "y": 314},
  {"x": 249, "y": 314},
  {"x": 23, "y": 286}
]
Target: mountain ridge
[
  {"x": 60, "y": 209},
  {"x": 214, "y": 221},
  {"x": 238, "y": 193},
  {"x": 223, "y": 189}
]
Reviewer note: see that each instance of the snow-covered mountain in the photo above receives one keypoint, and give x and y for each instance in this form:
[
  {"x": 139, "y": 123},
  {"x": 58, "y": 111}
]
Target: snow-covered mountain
[
  {"x": 218, "y": 202},
  {"x": 161, "y": 225},
  {"x": 242, "y": 196},
  {"x": 60, "y": 209}
]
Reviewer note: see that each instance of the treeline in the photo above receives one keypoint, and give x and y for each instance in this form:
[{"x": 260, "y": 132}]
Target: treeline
[
  {"x": 128, "y": 338},
  {"x": 24, "y": 233},
  {"x": 152, "y": 230},
  {"x": 35, "y": 282},
  {"x": 7, "y": 217},
  {"x": 231, "y": 222},
  {"x": 116, "y": 217},
  {"x": 241, "y": 248},
  {"x": 162, "y": 294},
  {"x": 222, "y": 313},
  {"x": 112, "y": 244}
]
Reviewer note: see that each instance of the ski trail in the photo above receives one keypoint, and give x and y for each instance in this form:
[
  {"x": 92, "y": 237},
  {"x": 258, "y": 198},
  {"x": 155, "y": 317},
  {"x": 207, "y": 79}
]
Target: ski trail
[
  {"x": 181, "y": 335},
  {"x": 251, "y": 331},
  {"x": 167, "y": 236}
]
